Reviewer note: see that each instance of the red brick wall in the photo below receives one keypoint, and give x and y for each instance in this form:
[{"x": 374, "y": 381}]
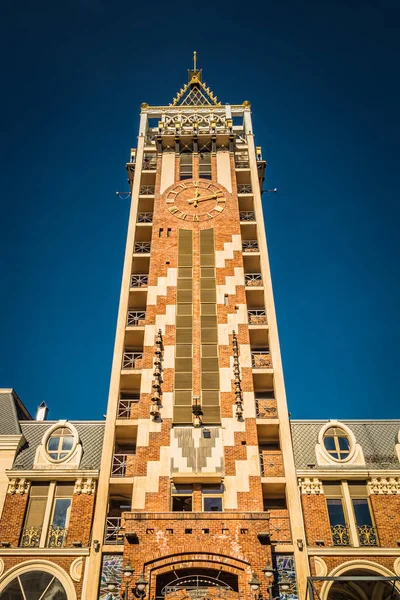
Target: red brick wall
[
  {"x": 80, "y": 521},
  {"x": 386, "y": 511},
  {"x": 316, "y": 519},
  {"x": 12, "y": 518}
]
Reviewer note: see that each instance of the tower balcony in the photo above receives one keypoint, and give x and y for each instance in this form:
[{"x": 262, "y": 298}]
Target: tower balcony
[
  {"x": 136, "y": 318},
  {"x": 128, "y": 406},
  {"x": 147, "y": 190},
  {"x": 271, "y": 463},
  {"x": 131, "y": 359},
  {"x": 265, "y": 407},
  {"x": 144, "y": 217},
  {"x": 247, "y": 216},
  {"x": 149, "y": 162},
  {"x": 123, "y": 465},
  {"x": 245, "y": 189},
  {"x": 261, "y": 359},
  {"x": 253, "y": 280},
  {"x": 250, "y": 246},
  {"x": 139, "y": 281},
  {"x": 114, "y": 531},
  {"x": 262, "y": 369},
  {"x": 257, "y": 316},
  {"x": 134, "y": 331},
  {"x": 142, "y": 248}
]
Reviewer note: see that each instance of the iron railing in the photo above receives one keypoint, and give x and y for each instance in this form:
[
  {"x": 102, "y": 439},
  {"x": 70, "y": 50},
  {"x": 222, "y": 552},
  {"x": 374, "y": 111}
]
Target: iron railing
[
  {"x": 146, "y": 190},
  {"x": 113, "y": 531},
  {"x": 244, "y": 188},
  {"x": 241, "y": 163},
  {"x": 266, "y": 408},
  {"x": 340, "y": 535},
  {"x": 132, "y": 360},
  {"x": 271, "y": 463},
  {"x": 279, "y": 529},
  {"x": 250, "y": 246},
  {"x": 367, "y": 535},
  {"x": 142, "y": 248},
  {"x": 257, "y": 316},
  {"x": 247, "y": 215},
  {"x": 261, "y": 359},
  {"x": 136, "y": 318},
  {"x": 57, "y": 537},
  {"x": 150, "y": 140},
  {"x": 253, "y": 279},
  {"x": 149, "y": 164},
  {"x": 122, "y": 465},
  {"x": 125, "y": 407},
  {"x": 145, "y": 217},
  {"x": 139, "y": 280},
  {"x": 30, "y": 537}
]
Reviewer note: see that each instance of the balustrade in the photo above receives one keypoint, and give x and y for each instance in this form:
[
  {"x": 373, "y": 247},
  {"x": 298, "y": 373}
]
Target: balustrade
[
  {"x": 367, "y": 535},
  {"x": 340, "y": 535},
  {"x": 30, "y": 537},
  {"x": 253, "y": 279},
  {"x": 142, "y": 248},
  {"x": 146, "y": 190},
  {"x": 112, "y": 533},
  {"x": 128, "y": 409},
  {"x": 132, "y": 360},
  {"x": 247, "y": 215},
  {"x": 139, "y": 280},
  {"x": 257, "y": 316},
  {"x": 242, "y": 164},
  {"x": 250, "y": 246},
  {"x": 149, "y": 164},
  {"x": 266, "y": 408},
  {"x": 271, "y": 463},
  {"x": 123, "y": 465},
  {"x": 244, "y": 188},
  {"x": 261, "y": 359},
  {"x": 145, "y": 217},
  {"x": 136, "y": 318},
  {"x": 57, "y": 537}
]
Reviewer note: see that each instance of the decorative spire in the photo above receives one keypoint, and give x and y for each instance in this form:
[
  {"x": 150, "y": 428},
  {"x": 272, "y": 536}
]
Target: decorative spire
[{"x": 195, "y": 92}]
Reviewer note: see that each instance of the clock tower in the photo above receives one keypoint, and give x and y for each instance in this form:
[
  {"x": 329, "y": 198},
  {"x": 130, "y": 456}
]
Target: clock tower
[{"x": 197, "y": 493}]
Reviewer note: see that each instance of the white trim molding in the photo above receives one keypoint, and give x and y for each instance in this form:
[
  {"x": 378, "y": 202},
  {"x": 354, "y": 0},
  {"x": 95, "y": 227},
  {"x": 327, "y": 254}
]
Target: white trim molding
[
  {"x": 73, "y": 458},
  {"x": 75, "y": 569},
  {"x": 384, "y": 485},
  {"x": 321, "y": 568},
  {"x": 40, "y": 565},
  {"x": 350, "y": 565},
  {"x": 12, "y": 442},
  {"x": 355, "y": 457},
  {"x": 311, "y": 485}
]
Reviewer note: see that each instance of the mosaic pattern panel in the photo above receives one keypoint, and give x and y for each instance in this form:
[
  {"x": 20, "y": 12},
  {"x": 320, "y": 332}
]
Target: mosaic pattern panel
[
  {"x": 111, "y": 568},
  {"x": 286, "y": 569}
]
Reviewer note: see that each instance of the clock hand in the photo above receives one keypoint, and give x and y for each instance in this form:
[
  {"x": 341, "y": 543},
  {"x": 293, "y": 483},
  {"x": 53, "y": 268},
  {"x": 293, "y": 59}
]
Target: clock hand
[{"x": 201, "y": 198}]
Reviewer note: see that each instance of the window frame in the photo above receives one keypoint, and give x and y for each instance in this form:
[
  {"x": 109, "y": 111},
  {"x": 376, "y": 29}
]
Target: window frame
[
  {"x": 351, "y": 438},
  {"x": 48, "y": 434}
]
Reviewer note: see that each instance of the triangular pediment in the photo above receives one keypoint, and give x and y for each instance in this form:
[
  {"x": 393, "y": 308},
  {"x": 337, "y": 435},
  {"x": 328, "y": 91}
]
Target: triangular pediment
[{"x": 195, "y": 92}]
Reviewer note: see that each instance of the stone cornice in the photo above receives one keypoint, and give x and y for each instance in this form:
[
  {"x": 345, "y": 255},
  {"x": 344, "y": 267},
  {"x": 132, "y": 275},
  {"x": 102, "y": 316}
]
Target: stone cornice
[
  {"x": 384, "y": 485},
  {"x": 196, "y": 516},
  {"x": 11, "y": 442},
  {"x": 36, "y": 552},
  {"x": 346, "y": 473},
  {"x": 49, "y": 474},
  {"x": 363, "y": 551}
]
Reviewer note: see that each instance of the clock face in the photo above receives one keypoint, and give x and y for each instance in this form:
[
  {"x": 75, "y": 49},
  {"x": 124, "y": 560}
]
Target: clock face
[{"x": 192, "y": 200}]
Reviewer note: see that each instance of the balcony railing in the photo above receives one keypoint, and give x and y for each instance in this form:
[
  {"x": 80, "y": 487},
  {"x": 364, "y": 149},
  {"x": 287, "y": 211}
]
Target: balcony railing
[
  {"x": 266, "y": 408},
  {"x": 57, "y": 537},
  {"x": 145, "y": 217},
  {"x": 112, "y": 533},
  {"x": 146, "y": 190},
  {"x": 150, "y": 140},
  {"x": 142, "y": 248},
  {"x": 247, "y": 215},
  {"x": 261, "y": 359},
  {"x": 132, "y": 360},
  {"x": 244, "y": 188},
  {"x": 136, "y": 318},
  {"x": 257, "y": 316},
  {"x": 253, "y": 279},
  {"x": 279, "y": 527},
  {"x": 139, "y": 281},
  {"x": 242, "y": 164},
  {"x": 128, "y": 409},
  {"x": 340, "y": 535},
  {"x": 271, "y": 463},
  {"x": 149, "y": 164},
  {"x": 30, "y": 537},
  {"x": 250, "y": 246},
  {"x": 123, "y": 465},
  {"x": 367, "y": 535}
]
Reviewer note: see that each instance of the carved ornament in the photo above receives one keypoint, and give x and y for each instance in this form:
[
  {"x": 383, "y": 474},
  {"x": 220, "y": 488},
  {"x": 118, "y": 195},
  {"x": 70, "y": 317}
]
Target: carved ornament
[{"x": 310, "y": 485}]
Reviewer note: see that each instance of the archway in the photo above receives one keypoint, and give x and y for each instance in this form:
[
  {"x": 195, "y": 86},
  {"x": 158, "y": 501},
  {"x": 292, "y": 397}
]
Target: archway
[
  {"x": 36, "y": 580},
  {"x": 196, "y": 583},
  {"x": 367, "y": 588}
]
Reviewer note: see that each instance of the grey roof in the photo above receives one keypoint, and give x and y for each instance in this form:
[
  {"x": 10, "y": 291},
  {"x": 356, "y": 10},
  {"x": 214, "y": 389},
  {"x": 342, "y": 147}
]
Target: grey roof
[
  {"x": 90, "y": 434},
  {"x": 11, "y": 410},
  {"x": 376, "y": 438}
]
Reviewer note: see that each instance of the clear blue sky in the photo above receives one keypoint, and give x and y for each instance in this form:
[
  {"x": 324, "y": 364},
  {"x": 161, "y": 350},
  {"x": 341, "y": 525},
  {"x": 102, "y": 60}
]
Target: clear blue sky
[{"x": 323, "y": 79}]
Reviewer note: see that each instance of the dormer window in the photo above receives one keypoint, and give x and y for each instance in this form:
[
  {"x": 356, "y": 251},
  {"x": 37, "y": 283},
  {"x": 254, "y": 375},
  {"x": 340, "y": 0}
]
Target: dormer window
[
  {"x": 337, "y": 443},
  {"x": 60, "y": 443}
]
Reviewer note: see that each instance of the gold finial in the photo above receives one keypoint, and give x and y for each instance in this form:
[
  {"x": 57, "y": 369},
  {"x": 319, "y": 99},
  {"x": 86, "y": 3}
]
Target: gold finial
[{"x": 194, "y": 60}]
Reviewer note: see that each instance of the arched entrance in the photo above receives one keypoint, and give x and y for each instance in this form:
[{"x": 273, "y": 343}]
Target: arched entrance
[
  {"x": 34, "y": 585},
  {"x": 196, "y": 583},
  {"x": 363, "y": 589}
]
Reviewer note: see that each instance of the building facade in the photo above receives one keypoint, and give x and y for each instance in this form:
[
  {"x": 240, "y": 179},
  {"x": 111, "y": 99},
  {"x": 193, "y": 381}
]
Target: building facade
[
  {"x": 197, "y": 486},
  {"x": 349, "y": 481},
  {"x": 48, "y": 484}
]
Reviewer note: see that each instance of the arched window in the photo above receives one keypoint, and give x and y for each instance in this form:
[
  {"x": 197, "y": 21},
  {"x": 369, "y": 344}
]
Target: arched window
[
  {"x": 60, "y": 443},
  {"x": 337, "y": 443},
  {"x": 35, "y": 585}
]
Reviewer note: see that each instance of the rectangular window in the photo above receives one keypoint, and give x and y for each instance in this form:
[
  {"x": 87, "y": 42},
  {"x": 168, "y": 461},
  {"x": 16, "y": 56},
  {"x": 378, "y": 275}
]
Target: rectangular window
[
  {"x": 33, "y": 525},
  {"x": 205, "y": 165},
  {"x": 186, "y": 165},
  {"x": 182, "y": 498},
  {"x": 362, "y": 514},
  {"x": 60, "y": 515},
  {"x": 212, "y": 498}
]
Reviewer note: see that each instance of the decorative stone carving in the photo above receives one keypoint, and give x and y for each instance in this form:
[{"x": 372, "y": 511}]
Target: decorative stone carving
[
  {"x": 396, "y": 566},
  {"x": 18, "y": 486},
  {"x": 321, "y": 568},
  {"x": 311, "y": 486},
  {"x": 384, "y": 485},
  {"x": 85, "y": 485},
  {"x": 75, "y": 569}
]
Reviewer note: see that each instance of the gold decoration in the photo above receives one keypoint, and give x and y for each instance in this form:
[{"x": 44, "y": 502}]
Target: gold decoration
[
  {"x": 340, "y": 535},
  {"x": 246, "y": 104},
  {"x": 57, "y": 537},
  {"x": 30, "y": 537},
  {"x": 367, "y": 535}
]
